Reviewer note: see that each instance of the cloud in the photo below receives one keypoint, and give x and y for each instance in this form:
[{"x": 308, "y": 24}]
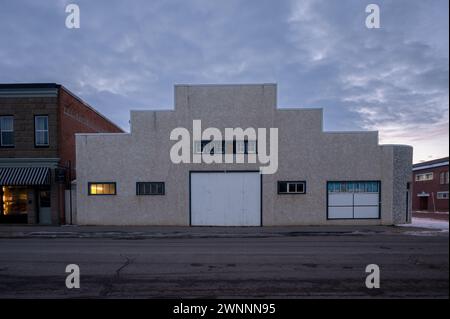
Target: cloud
[{"x": 128, "y": 55}]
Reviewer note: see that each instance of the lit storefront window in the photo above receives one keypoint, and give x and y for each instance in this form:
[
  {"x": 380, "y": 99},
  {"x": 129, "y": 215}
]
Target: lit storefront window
[{"x": 14, "y": 201}]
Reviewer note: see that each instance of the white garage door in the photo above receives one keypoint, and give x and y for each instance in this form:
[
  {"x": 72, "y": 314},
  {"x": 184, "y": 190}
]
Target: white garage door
[
  {"x": 225, "y": 199},
  {"x": 354, "y": 200}
]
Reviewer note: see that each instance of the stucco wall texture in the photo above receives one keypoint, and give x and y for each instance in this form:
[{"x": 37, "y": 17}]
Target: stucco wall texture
[{"x": 306, "y": 152}]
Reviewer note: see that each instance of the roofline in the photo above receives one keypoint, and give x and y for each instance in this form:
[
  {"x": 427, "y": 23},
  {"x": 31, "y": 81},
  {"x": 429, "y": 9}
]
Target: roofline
[
  {"x": 225, "y": 84},
  {"x": 29, "y": 85},
  {"x": 89, "y": 107},
  {"x": 97, "y": 134},
  {"x": 419, "y": 168},
  {"x": 58, "y": 87}
]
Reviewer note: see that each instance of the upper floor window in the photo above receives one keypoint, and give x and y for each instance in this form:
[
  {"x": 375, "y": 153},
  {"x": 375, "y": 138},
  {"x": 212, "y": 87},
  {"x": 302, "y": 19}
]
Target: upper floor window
[
  {"x": 444, "y": 177},
  {"x": 225, "y": 147},
  {"x": 6, "y": 131},
  {"x": 424, "y": 177},
  {"x": 41, "y": 130}
]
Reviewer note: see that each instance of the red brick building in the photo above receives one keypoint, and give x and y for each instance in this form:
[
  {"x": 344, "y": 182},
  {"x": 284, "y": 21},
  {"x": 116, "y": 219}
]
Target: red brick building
[
  {"x": 38, "y": 123},
  {"x": 430, "y": 186}
]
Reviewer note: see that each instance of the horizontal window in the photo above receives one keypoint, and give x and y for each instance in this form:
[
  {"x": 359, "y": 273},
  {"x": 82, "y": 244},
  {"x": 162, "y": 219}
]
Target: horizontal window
[
  {"x": 353, "y": 187},
  {"x": 103, "y": 188},
  {"x": 424, "y": 177},
  {"x": 291, "y": 187},
  {"x": 225, "y": 147},
  {"x": 6, "y": 131},
  {"x": 150, "y": 188},
  {"x": 442, "y": 195}
]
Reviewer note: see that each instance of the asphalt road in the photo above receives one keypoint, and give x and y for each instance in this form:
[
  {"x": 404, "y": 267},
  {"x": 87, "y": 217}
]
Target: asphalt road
[{"x": 297, "y": 266}]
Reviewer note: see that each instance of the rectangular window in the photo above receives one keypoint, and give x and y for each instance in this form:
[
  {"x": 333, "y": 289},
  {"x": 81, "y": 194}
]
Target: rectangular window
[
  {"x": 442, "y": 178},
  {"x": 41, "y": 130},
  {"x": 446, "y": 177},
  {"x": 291, "y": 187},
  {"x": 103, "y": 188},
  {"x": 222, "y": 147},
  {"x": 424, "y": 177},
  {"x": 7, "y": 131},
  {"x": 150, "y": 188},
  {"x": 442, "y": 195}
]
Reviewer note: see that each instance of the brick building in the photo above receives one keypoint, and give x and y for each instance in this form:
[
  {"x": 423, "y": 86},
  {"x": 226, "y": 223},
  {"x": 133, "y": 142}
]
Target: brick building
[
  {"x": 38, "y": 123},
  {"x": 430, "y": 188}
]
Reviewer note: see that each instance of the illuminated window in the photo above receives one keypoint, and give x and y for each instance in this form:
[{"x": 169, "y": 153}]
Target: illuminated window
[{"x": 105, "y": 188}]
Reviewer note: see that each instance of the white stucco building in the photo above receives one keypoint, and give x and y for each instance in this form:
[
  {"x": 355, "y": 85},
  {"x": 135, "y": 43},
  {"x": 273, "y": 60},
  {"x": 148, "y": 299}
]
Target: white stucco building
[{"x": 320, "y": 177}]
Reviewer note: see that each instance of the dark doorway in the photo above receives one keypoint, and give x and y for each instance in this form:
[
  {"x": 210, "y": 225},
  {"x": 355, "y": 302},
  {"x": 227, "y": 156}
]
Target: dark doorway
[{"x": 423, "y": 203}]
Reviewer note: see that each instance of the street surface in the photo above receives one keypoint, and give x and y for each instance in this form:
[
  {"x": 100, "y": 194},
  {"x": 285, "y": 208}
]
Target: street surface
[{"x": 290, "y": 264}]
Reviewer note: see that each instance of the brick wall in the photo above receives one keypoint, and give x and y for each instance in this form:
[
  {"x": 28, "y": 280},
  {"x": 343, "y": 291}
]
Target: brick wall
[
  {"x": 23, "y": 109},
  {"x": 77, "y": 117},
  {"x": 430, "y": 187}
]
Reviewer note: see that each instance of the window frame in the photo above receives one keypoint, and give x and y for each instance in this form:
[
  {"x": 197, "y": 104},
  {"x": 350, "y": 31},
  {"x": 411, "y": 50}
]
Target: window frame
[
  {"x": 163, "y": 184},
  {"x": 417, "y": 178},
  {"x": 240, "y": 147},
  {"x": 279, "y": 192},
  {"x": 1, "y": 132},
  {"x": 441, "y": 197},
  {"x": 102, "y": 183},
  {"x": 36, "y": 116}
]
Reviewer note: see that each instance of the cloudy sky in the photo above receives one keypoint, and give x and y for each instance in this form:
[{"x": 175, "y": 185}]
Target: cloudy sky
[{"x": 129, "y": 54}]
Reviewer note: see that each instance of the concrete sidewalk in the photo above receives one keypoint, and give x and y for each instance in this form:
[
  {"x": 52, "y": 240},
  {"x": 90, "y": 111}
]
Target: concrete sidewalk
[{"x": 144, "y": 232}]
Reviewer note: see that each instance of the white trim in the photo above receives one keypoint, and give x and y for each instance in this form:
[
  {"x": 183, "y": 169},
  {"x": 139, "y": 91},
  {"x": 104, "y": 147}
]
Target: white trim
[{"x": 430, "y": 166}]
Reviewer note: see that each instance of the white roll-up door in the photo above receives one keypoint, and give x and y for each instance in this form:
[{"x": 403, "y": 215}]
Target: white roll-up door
[
  {"x": 225, "y": 199},
  {"x": 353, "y": 200}
]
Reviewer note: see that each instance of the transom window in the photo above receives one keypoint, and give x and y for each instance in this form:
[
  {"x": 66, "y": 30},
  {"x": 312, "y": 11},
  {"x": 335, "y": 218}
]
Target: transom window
[
  {"x": 353, "y": 187},
  {"x": 41, "y": 130},
  {"x": 222, "y": 147},
  {"x": 150, "y": 188},
  {"x": 291, "y": 187},
  {"x": 102, "y": 188},
  {"x": 6, "y": 131}
]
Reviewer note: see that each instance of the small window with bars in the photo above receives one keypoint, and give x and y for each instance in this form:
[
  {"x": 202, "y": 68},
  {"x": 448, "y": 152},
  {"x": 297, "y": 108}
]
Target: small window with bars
[
  {"x": 150, "y": 188},
  {"x": 291, "y": 187}
]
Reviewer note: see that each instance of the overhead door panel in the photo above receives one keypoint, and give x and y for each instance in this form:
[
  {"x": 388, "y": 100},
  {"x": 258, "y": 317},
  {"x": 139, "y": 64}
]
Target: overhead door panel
[
  {"x": 353, "y": 200},
  {"x": 225, "y": 199}
]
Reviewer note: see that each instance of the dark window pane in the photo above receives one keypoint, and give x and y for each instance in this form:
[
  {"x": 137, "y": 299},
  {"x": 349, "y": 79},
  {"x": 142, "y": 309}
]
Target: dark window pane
[
  {"x": 282, "y": 187},
  {"x": 160, "y": 188},
  {"x": 7, "y": 138},
  {"x": 291, "y": 188},
  {"x": 300, "y": 188}
]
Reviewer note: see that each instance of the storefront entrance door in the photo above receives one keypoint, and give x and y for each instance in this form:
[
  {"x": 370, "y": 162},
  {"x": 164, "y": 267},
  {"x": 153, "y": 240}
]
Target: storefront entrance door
[{"x": 45, "y": 214}]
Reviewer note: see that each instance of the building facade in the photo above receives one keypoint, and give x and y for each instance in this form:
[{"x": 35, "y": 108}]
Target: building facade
[
  {"x": 430, "y": 187},
  {"x": 320, "y": 178},
  {"x": 38, "y": 123}
]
